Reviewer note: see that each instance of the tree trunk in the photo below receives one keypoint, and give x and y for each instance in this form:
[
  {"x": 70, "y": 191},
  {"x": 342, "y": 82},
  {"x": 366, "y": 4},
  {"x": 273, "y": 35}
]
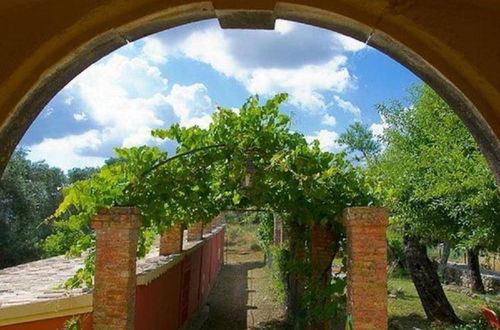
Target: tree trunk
[
  {"x": 475, "y": 270},
  {"x": 445, "y": 256},
  {"x": 426, "y": 281}
]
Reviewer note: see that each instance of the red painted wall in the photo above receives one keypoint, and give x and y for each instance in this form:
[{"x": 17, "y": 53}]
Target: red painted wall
[
  {"x": 157, "y": 304},
  {"x": 177, "y": 295},
  {"x": 51, "y": 324},
  {"x": 169, "y": 300}
]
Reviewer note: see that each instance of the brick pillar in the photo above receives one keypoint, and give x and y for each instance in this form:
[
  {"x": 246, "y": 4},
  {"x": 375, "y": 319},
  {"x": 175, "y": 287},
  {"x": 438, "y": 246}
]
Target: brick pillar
[
  {"x": 367, "y": 266},
  {"x": 171, "y": 241},
  {"x": 195, "y": 231},
  {"x": 324, "y": 246},
  {"x": 117, "y": 232},
  {"x": 278, "y": 230}
]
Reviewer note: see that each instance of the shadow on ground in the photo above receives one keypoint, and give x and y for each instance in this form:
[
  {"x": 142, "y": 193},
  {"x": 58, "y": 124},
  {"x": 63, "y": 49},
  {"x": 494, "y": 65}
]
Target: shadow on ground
[
  {"x": 411, "y": 321},
  {"x": 242, "y": 296}
]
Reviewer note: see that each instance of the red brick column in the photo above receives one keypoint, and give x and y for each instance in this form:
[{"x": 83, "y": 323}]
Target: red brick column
[
  {"x": 171, "y": 241},
  {"x": 195, "y": 231},
  {"x": 324, "y": 246},
  {"x": 367, "y": 266},
  {"x": 115, "y": 264}
]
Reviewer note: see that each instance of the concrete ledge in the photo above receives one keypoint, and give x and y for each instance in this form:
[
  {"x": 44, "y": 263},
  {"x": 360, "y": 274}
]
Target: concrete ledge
[
  {"x": 150, "y": 275},
  {"x": 46, "y": 309},
  {"x": 82, "y": 303},
  {"x": 147, "y": 276}
]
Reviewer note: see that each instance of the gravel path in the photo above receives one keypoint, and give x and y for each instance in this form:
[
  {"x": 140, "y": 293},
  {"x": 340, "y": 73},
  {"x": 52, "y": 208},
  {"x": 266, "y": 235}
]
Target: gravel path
[{"x": 242, "y": 297}]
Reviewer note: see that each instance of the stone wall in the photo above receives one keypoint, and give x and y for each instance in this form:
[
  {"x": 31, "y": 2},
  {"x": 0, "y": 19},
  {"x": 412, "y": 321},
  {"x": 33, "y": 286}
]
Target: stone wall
[{"x": 458, "y": 274}]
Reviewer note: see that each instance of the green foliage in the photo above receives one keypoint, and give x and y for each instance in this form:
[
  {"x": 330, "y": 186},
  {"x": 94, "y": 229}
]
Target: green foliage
[
  {"x": 279, "y": 271},
  {"x": 396, "y": 254},
  {"x": 476, "y": 324},
  {"x": 433, "y": 176},
  {"x": 83, "y": 276},
  {"x": 327, "y": 303},
  {"x": 73, "y": 323},
  {"x": 29, "y": 193},
  {"x": 359, "y": 138},
  {"x": 265, "y": 232},
  {"x": 79, "y": 174}
]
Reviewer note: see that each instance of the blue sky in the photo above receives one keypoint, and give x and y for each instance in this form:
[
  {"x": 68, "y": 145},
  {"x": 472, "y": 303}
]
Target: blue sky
[{"x": 182, "y": 74}]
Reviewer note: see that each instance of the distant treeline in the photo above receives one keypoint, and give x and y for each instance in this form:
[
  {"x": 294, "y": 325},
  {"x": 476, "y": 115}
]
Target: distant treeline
[{"x": 30, "y": 192}]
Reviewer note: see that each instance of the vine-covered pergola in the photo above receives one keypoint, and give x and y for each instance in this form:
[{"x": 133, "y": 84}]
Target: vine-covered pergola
[{"x": 246, "y": 158}]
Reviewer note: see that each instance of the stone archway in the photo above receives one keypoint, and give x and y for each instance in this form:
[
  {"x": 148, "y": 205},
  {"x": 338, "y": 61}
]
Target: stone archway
[{"x": 446, "y": 43}]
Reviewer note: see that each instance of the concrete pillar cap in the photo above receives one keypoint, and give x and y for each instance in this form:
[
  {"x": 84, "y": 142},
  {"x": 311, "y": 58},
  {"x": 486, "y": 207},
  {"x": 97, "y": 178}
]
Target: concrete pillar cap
[
  {"x": 119, "y": 217},
  {"x": 361, "y": 215}
]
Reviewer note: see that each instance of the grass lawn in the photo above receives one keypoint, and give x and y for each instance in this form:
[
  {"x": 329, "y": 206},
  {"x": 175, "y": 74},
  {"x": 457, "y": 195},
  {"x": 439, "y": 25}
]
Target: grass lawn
[
  {"x": 246, "y": 293},
  {"x": 406, "y": 312}
]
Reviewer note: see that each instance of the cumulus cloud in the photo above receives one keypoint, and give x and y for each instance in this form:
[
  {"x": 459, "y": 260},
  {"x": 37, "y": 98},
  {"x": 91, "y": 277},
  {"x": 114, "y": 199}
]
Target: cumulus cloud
[
  {"x": 191, "y": 104},
  {"x": 48, "y": 111},
  {"x": 351, "y": 44},
  {"x": 328, "y": 120},
  {"x": 68, "y": 152},
  {"x": 68, "y": 100},
  {"x": 124, "y": 97},
  {"x": 347, "y": 106},
  {"x": 126, "y": 94},
  {"x": 263, "y": 63},
  {"x": 154, "y": 50},
  {"x": 378, "y": 128},
  {"x": 327, "y": 140},
  {"x": 80, "y": 116}
]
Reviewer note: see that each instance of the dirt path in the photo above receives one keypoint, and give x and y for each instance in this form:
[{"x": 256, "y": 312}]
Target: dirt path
[{"x": 242, "y": 297}]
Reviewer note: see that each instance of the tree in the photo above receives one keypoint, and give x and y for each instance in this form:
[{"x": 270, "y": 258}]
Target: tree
[
  {"x": 79, "y": 174},
  {"x": 438, "y": 186},
  {"x": 358, "y": 138},
  {"x": 29, "y": 193}
]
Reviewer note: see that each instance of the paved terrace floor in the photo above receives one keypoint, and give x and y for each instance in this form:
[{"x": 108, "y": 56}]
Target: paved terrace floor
[{"x": 43, "y": 280}]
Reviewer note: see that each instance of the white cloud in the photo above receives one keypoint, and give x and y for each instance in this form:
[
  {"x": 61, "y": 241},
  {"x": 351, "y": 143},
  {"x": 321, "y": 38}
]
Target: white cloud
[
  {"x": 141, "y": 136},
  {"x": 350, "y": 44},
  {"x": 262, "y": 62},
  {"x": 347, "y": 106},
  {"x": 66, "y": 152},
  {"x": 68, "y": 100},
  {"x": 191, "y": 104},
  {"x": 124, "y": 97},
  {"x": 80, "y": 116},
  {"x": 154, "y": 50},
  {"x": 283, "y": 27},
  {"x": 122, "y": 92},
  {"x": 47, "y": 112},
  {"x": 202, "y": 122},
  {"x": 303, "y": 84},
  {"x": 328, "y": 120},
  {"x": 379, "y": 128},
  {"x": 327, "y": 140}
]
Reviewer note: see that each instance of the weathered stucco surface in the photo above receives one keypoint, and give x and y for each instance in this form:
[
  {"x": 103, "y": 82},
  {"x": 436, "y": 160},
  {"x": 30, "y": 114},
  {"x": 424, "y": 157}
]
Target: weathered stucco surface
[{"x": 448, "y": 43}]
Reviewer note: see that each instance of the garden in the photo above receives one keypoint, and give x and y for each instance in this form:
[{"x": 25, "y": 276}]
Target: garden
[{"x": 425, "y": 168}]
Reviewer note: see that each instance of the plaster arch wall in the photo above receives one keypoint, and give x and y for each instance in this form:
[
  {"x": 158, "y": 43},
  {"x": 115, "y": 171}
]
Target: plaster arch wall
[{"x": 447, "y": 43}]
